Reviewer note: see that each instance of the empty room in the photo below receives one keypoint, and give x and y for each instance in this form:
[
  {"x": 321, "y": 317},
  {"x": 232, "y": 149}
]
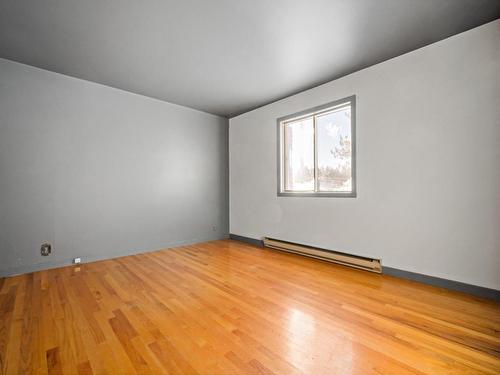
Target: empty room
[{"x": 250, "y": 187}]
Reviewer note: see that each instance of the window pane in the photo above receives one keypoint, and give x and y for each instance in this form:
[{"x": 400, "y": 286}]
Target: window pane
[
  {"x": 299, "y": 155},
  {"x": 334, "y": 150}
]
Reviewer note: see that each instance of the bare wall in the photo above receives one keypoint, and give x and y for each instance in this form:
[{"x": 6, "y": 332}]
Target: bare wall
[
  {"x": 428, "y": 164},
  {"x": 99, "y": 172}
]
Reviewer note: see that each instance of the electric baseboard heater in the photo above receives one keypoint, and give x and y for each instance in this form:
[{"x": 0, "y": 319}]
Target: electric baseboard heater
[{"x": 355, "y": 261}]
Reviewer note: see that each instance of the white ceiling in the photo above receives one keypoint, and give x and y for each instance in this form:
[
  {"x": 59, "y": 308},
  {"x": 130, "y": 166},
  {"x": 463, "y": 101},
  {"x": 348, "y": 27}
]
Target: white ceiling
[{"x": 224, "y": 56}]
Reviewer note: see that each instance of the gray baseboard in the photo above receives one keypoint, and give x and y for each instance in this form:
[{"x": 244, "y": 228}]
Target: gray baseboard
[
  {"x": 474, "y": 290},
  {"x": 251, "y": 241},
  {"x": 20, "y": 270},
  {"x": 458, "y": 286}
]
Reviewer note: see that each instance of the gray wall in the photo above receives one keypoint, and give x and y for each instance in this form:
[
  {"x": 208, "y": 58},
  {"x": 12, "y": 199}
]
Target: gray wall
[
  {"x": 428, "y": 164},
  {"x": 100, "y": 172}
]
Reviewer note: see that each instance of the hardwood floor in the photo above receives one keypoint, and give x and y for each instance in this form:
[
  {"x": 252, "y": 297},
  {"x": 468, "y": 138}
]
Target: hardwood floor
[{"x": 227, "y": 307}]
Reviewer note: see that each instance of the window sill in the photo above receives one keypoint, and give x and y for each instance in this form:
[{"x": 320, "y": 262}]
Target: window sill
[{"x": 351, "y": 194}]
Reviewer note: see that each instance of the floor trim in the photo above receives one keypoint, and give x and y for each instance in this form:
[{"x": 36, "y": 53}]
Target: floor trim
[
  {"x": 458, "y": 286},
  {"x": 64, "y": 262},
  {"x": 251, "y": 241}
]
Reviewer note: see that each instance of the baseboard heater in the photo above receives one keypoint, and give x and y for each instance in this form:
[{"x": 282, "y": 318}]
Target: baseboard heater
[{"x": 355, "y": 261}]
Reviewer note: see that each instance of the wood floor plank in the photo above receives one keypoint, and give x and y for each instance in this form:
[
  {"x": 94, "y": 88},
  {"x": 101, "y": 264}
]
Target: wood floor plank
[
  {"x": 54, "y": 362},
  {"x": 228, "y": 307}
]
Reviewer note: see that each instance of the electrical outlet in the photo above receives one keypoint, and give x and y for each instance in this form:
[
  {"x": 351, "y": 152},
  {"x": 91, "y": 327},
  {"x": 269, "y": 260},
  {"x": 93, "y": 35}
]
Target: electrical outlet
[
  {"x": 45, "y": 249},
  {"x": 214, "y": 228},
  {"x": 77, "y": 260}
]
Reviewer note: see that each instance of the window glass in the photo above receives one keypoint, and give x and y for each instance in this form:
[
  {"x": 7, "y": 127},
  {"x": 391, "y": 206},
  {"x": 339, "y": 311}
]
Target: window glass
[
  {"x": 299, "y": 155},
  {"x": 334, "y": 150}
]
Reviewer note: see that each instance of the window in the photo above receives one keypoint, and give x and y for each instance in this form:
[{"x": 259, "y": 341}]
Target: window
[{"x": 316, "y": 151}]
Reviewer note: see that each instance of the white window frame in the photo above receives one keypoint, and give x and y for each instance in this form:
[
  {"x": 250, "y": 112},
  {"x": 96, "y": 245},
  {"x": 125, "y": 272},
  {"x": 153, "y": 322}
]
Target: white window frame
[{"x": 313, "y": 112}]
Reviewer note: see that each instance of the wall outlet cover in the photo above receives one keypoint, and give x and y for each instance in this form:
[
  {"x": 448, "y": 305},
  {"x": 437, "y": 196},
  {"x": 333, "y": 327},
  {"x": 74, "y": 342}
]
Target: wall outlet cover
[
  {"x": 77, "y": 260},
  {"x": 45, "y": 249}
]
